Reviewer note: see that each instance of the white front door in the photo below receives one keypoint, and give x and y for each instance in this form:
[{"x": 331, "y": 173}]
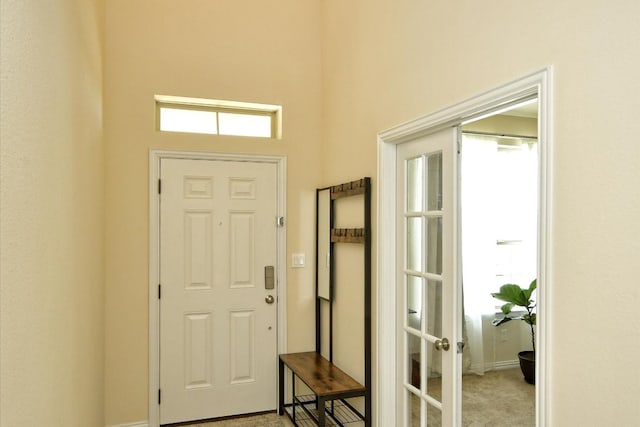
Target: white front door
[
  {"x": 218, "y": 352},
  {"x": 426, "y": 277}
]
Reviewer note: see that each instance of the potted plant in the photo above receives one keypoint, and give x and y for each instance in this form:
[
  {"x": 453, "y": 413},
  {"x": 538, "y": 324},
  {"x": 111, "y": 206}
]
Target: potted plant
[{"x": 515, "y": 296}]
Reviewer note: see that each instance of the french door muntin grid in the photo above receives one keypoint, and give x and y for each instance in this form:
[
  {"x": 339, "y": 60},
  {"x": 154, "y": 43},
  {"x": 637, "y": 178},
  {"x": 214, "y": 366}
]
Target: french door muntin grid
[{"x": 422, "y": 282}]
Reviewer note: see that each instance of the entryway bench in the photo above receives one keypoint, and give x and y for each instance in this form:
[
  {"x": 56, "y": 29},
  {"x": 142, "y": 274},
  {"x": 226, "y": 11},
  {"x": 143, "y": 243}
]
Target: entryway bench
[
  {"x": 326, "y": 381},
  {"x": 330, "y": 399}
]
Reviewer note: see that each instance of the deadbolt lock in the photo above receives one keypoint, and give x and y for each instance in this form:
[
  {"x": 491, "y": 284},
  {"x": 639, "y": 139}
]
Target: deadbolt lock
[{"x": 269, "y": 277}]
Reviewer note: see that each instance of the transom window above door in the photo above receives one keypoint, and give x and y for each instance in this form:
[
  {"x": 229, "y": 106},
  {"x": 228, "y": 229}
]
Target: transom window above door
[{"x": 218, "y": 117}]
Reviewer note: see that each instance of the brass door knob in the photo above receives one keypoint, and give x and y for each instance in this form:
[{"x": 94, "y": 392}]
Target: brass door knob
[{"x": 442, "y": 344}]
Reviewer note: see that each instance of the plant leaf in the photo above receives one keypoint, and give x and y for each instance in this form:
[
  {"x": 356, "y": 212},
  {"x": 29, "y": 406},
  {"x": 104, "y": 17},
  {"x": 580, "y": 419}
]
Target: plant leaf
[
  {"x": 500, "y": 321},
  {"x": 513, "y": 294},
  {"x": 506, "y": 308},
  {"x": 532, "y": 287},
  {"x": 529, "y": 319}
]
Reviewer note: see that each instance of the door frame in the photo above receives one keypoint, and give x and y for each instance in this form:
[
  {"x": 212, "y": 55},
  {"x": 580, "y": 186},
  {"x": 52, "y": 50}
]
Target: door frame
[
  {"x": 538, "y": 84},
  {"x": 155, "y": 157}
]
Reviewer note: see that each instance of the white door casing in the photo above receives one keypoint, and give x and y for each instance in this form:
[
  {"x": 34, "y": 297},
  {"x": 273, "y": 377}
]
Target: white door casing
[
  {"x": 537, "y": 84},
  {"x": 216, "y": 338}
]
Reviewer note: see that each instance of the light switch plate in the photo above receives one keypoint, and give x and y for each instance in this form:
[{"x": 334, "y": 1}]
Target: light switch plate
[{"x": 297, "y": 260}]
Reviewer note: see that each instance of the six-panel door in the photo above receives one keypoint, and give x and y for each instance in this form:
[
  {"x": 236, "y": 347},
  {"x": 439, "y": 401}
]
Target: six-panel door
[{"x": 217, "y": 330}]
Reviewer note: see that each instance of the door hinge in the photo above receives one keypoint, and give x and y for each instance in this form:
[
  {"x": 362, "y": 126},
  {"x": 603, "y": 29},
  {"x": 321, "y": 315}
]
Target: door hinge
[
  {"x": 159, "y": 396},
  {"x": 280, "y": 221},
  {"x": 159, "y": 291},
  {"x": 159, "y": 186}
]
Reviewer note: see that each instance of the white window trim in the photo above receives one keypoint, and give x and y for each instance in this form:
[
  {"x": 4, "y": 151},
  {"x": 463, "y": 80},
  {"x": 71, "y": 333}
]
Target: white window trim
[{"x": 238, "y": 107}]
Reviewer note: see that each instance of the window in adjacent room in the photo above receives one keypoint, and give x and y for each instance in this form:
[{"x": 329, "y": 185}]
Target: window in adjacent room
[{"x": 216, "y": 117}]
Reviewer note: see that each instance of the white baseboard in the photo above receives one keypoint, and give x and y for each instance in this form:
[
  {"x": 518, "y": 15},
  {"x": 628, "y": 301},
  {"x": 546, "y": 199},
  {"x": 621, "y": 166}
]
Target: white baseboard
[
  {"x": 495, "y": 366},
  {"x": 507, "y": 364},
  {"x": 138, "y": 424}
]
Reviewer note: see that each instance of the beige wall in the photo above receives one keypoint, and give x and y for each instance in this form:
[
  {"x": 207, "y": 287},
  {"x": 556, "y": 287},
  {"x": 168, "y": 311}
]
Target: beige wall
[
  {"x": 503, "y": 343},
  {"x": 343, "y": 70},
  {"x": 386, "y": 62},
  {"x": 51, "y": 214},
  {"x": 246, "y": 50}
]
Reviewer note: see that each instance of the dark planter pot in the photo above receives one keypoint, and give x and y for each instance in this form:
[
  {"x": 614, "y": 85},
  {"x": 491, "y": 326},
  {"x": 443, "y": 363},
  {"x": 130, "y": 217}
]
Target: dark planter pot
[{"x": 528, "y": 365}]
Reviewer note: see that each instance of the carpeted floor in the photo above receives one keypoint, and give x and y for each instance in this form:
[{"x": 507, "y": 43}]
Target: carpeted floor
[
  {"x": 497, "y": 399},
  {"x": 262, "y": 420}
]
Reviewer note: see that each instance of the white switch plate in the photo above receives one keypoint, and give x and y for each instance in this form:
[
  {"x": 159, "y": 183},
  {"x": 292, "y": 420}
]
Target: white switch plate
[{"x": 297, "y": 260}]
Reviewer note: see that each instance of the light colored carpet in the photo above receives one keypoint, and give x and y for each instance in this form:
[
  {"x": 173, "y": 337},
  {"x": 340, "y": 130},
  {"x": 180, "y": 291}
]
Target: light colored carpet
[
  {"x": 496, "y": 399},
  {"x": 263, "y": 420}
]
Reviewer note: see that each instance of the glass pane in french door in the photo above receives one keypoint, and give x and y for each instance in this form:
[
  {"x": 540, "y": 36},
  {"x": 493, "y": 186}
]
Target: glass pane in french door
[
  {"x": 413, "y": 294},
  {"x": 434, "y": 182},
  {"x": 434, "y": 311}
]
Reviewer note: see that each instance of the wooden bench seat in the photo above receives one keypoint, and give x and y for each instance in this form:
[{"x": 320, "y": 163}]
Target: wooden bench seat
[{"x": 325, "y": 380}]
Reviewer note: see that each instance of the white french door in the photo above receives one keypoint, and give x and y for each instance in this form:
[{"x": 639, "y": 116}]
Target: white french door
[
  {"x": 218, "y": 342},
  {"x": 426, "y": 219}
]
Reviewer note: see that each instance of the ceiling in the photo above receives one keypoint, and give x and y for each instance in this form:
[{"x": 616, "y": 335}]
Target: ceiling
[{"x": 527, "y": 109}]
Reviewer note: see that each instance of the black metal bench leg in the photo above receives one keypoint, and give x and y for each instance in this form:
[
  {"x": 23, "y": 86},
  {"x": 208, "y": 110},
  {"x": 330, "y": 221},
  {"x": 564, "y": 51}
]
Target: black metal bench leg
[
  {"x": 321, "y": 414},
  {"x": 293, "y": 397}
]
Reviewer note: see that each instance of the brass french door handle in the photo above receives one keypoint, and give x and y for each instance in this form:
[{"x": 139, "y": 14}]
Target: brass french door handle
[
  {"x": 442, "y": 344},
  {"x": 269, "y": 299}
]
